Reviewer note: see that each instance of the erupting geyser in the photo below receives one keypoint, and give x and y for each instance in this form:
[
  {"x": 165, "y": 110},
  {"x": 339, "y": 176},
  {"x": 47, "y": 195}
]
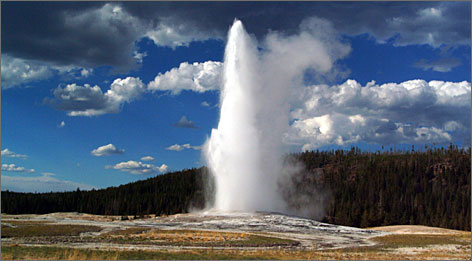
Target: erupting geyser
[
  {"x": 245, "y": 152},
  {"x": 245, "y": 176}
]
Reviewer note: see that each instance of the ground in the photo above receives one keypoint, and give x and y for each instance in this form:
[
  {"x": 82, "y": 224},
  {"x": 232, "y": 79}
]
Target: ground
[{"x": 214, "y": 235}]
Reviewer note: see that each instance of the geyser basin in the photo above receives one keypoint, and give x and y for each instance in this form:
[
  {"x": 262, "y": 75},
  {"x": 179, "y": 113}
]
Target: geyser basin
[{"x": 310, "y": 233}]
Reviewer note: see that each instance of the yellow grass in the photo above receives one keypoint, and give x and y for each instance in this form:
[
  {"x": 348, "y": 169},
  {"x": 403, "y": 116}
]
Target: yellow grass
[{"x": 391, "y": 247}]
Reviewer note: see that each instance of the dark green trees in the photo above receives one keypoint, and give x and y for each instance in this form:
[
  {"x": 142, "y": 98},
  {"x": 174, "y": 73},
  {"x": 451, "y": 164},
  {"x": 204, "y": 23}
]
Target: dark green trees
[{"x": 354, "y": 188}]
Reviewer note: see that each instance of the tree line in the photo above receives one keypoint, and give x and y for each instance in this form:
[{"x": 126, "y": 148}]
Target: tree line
[
  {"x": 346, "y": 187},
  {"x": 363, "y": 189}
]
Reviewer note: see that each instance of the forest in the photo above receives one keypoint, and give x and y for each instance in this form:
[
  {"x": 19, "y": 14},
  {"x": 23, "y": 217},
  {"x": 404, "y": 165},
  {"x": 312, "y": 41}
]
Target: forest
[{"x": 428, "y": 187}]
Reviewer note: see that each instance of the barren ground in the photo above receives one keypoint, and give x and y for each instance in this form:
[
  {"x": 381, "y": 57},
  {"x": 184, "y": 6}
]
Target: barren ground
[{"x": 214, "y": 235}]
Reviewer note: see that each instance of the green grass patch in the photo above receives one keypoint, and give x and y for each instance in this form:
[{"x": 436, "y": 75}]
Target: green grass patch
[{"x": 40, "y": 230}]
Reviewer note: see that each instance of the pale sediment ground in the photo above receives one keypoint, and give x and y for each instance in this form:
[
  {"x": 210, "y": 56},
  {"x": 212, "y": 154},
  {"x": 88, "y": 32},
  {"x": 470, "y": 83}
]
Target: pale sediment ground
[
  {"x": 417, "y": 230},
  {"x": 448, "y": 249},
  {"x": 459, "y": 250},
  {"x": 308, "y": 233},
  {"x": 221, "y": 231}
]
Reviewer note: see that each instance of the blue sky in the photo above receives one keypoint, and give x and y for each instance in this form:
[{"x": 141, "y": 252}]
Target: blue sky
[{"x": 89, "y": 89}]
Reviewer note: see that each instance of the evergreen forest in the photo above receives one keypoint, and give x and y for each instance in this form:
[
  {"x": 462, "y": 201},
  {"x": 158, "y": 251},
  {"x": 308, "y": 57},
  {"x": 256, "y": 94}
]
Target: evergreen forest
[{"x": 428, "y": 187}]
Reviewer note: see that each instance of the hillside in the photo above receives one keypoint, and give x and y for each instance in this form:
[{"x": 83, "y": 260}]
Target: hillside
[{"x": 353, "y": 188}]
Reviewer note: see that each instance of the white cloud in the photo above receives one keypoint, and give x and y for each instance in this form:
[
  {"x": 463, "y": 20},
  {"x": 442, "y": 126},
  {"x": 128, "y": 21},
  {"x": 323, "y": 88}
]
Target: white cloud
[
  {"x": 177, "y": 147},
  {"x": 452, "y": 126},
  {"x": 62, "y": 124},
  {"x": 198, "y": 77},
  {"x": 107, "y": 150},
  {"x": 185, "y": 123},
  {"x": 174, "y": 34},
  {"x": 86, "y": 72},
  {"x": 91, "y": 101},
  {"x": 440, "y": 65},
  {"x": 44, "y": 183},
  {"x": 8, "y": 153},
  {"x": 117, "y": 27},
  {"x": 16, "y": 71},
  {"x": 431, "y": 25},
  {"x": 409, "y": 112},
  {"x": 109, "y": 39},
  {"x": 139, "y": 56},
  {"x": 205, "y": 104},
  {"x": 147, "y": 158},
  {"x": 14, "y": 168},
  {"x": 139, "y": 168}
]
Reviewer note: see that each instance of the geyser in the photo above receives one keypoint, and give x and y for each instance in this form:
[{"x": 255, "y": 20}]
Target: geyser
[{"x": 245, "y": 153}]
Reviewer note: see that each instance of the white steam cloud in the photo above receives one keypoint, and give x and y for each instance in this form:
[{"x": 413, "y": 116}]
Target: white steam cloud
[{"x": 245, "y": 152}]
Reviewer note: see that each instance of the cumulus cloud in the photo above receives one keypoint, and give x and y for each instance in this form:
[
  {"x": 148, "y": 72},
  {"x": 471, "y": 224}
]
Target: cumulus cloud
[
  {"x": 91, "y": 101},
  {"x": 83, "y": 35},
  {"x": 16, "y": 71},
  {"x": 14, "y": 168},
  {"x": 139, "y": 56},
  {"x": 432, "y": 25},
  {"x": 440, "y": 65},
  {"x": 138, "y": 168},
  {"x": 404, "y": 23},
  {"x": 414, "y": 111},
  {"x": 62, "y": 124},
  {"x": 86, "y": 72},
  {"x": 198, "y": 77},
  {"x": 147, "y": 158},
  {"x": 185, "y": 123},
  {"x": 205, "y": 104},
  {"x": 174, "y": 33},
  {"x": 8, "y": 153},
  {"x": 71, "y": 38},
  {"x": 87, "y": 34},
  {"x": 44, "y": 183},
  {"x": 107, "y": 150},
  {"x": 177, "y": 147}
]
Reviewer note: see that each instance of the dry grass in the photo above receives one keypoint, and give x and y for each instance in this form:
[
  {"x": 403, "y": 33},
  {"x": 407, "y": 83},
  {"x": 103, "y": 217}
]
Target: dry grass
[
  {"x": 413, "y": 240},
  {"x": 391, "y": 247},
  {"x": 41, "y": 230},
  {"x": 182, "y": 237},
  {"x": 186, "y": 236},
  {"x": 365, "y": 253},
  {"x": 25, "y": 222},
  {"x": 56, "y": 253},
  {"x": 127, "y": 231}
]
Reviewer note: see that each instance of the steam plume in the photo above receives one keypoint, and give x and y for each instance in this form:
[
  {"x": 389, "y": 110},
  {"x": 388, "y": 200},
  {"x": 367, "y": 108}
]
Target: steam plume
[{"x": 245, "y": 152}]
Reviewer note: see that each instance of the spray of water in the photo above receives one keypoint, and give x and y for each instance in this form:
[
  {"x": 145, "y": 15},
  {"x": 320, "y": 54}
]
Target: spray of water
[{"x": 245, "y": 152}]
